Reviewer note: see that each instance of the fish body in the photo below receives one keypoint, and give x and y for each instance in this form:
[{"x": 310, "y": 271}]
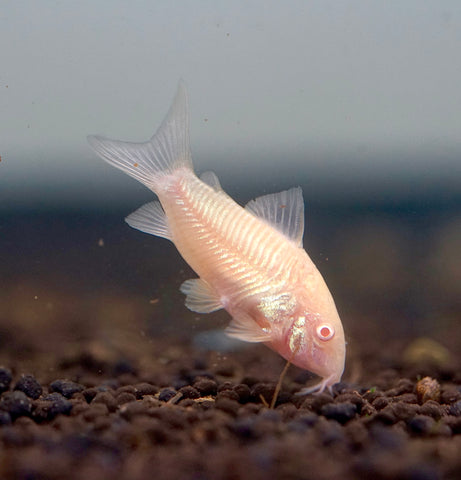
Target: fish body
[{"x": 250, "y": 261}]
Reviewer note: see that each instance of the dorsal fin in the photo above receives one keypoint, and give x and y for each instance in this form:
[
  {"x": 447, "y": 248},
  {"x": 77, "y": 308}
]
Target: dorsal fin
[
  {"x": 211, "y": 179},
  {"x": 283, "y": 210}
]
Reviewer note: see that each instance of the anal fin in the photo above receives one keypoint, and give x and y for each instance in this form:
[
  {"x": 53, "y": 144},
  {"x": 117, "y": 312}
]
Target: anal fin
[
  {"x": 201, "y": 296},
  {"x": 150, "y": 218}
]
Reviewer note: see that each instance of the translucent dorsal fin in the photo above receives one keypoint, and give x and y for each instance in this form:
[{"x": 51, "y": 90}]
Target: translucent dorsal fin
[
  {"x": 150, "y": 218},
  {"x": 211, "y": 179},
  {"x": 283, "y": 210}
]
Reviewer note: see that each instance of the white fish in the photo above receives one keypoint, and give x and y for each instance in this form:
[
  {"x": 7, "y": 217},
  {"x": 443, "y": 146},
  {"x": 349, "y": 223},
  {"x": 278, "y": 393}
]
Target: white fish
[{"x": 250, "y": 261}]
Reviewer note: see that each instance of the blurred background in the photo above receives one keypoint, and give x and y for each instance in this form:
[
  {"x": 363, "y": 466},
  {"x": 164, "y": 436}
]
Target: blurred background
[{"x": 358, "y": 102}]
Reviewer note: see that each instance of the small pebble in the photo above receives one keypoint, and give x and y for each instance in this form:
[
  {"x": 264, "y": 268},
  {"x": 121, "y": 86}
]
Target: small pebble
[
  {"x": 316, "y": 402},
  {"x": 432, "y": 409},
  {"x": 16, "y": 404},
  {"x": 405, "y": 411},
  {"x": 5, "y": 418},
  {"x": 66, "y": 387},
  {"x": 372, "y": 394},
  {"x": 107, "y": 399},
  {"x": 30, "y": 386},
  {"x": 352, "y": 397},
  {"x": 243, "y": 391},
  {"x": 144, "y": 388},
  {"x": 206, "y": 387},
  {"x": 421, "y": 424},
  {"x": 125, "y": 397},
  {"x": 455, "y": 409},
  {"x": 341, "y": 412},
  {"x": 428, "y": 389},
  {"x": 166, "y": 394},
  {"x": 264, "y": 390},
  {"x": 225, "y": 386},
  {"x": 50, "y": 406},
  {"x": 380, "y": 402},
  {"x": 450, "y": 394},
  {"x": 367, "y": 410},
  {"x": 189, "y": 392},
  {"x": 5, "y": 379},
  {"x": 89, "y": 394},
  {"x": 385, "y": 416},
  {"x": 250, "y": 381},
  {"x": 125, "y": 389},
  {"x": 405, "y": 385},
  {"x": 454, "y": 423},
  {"x": 229, "y": 394}
]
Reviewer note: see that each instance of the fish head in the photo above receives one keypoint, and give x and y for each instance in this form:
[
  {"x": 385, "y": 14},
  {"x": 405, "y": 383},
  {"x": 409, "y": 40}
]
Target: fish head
[
  {"x": 306, "y": 330},
  {"x": 315, "y": 342}
]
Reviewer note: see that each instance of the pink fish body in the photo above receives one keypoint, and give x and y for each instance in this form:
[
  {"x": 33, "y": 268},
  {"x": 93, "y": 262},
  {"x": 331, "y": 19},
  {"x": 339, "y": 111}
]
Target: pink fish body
[{"x": 250, "y": 261}]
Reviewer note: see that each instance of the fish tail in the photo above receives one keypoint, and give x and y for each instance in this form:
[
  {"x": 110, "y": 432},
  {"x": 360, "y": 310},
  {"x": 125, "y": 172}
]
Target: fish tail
[{"x": 167, "y": 150}]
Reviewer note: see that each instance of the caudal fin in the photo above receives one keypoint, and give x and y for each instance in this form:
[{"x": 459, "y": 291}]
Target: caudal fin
[{"x": 165, "y": 152}]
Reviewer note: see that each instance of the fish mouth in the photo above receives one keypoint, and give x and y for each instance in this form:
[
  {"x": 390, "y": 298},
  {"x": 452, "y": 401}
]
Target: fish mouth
[{"x": 328, "y": 365}]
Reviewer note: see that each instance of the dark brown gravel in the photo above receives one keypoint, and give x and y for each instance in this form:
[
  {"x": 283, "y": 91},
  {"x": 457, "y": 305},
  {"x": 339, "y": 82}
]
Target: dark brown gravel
[
  {"x": 30, "y": 386},
  {"x": 190, "y": 416}
]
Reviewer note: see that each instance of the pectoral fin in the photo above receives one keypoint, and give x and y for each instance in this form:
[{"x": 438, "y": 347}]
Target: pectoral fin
[
  {"x": 248, "y": 330},
  {"x": 201, "y": 296}
]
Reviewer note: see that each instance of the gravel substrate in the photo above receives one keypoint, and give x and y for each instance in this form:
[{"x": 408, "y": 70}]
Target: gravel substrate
[{"x": 194, "y": 415}]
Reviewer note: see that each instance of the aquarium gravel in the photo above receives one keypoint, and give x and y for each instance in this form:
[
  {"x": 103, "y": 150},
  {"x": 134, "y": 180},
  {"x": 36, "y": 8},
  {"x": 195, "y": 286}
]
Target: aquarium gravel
[{"x": 191, "y": 414}]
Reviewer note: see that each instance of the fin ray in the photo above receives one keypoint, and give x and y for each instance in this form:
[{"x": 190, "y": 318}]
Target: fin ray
[
  {"x": 167, "y": 150},
  {"x": 247, "y": 330},
  {"x": 212, "y": 180},
  {"x": 150, "y": 218},
  {"x": 200, "y": 296},
  {"x": 283, "y": 210}
]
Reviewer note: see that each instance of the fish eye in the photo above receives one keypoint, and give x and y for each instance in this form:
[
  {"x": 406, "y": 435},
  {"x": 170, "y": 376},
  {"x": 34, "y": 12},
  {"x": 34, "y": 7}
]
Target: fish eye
[{"x": 325, "y": 332}]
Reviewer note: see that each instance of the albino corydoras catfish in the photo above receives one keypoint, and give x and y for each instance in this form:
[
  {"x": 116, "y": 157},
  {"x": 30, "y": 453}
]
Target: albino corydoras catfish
[{"x": 250, "y": 261}]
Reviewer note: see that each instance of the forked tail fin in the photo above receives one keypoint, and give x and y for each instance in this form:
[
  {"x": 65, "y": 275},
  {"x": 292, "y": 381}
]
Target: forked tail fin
[{"x": 165, "y": 152}]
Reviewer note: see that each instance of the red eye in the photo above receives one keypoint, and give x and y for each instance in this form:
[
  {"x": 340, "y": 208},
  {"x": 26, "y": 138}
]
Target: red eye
[{"x": 325, "y": 332}]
